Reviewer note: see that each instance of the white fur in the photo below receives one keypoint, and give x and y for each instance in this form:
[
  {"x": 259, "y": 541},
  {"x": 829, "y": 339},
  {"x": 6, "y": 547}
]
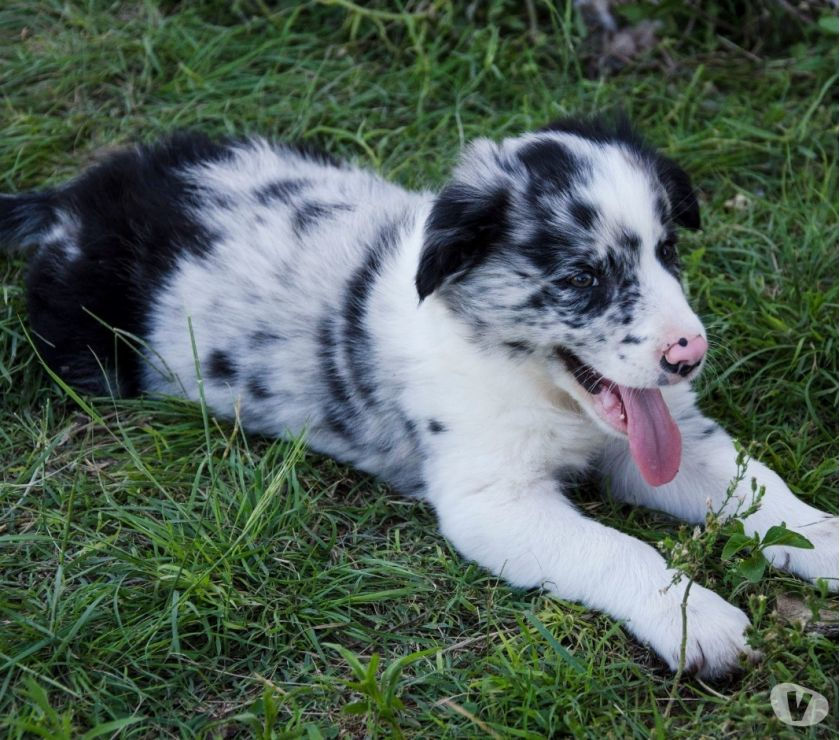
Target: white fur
[{"x": 514, "y": 425}]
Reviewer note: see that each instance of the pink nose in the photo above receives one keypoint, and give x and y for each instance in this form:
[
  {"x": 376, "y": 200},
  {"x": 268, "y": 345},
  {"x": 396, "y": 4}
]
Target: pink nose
[{"x": 686, "y": 351}]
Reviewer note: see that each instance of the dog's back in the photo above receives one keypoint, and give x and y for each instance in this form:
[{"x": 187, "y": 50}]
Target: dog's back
[{"x": 247, "y": 264}]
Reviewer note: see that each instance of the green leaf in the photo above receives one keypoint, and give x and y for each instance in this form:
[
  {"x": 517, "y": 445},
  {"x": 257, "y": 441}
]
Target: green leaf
[
  {"x": 354, "y": 663},
  {"x": 829, "y": 24},
  {"x": 391, "y": 675},
  {"x": 777, "y": 324},
  {"x": 373, "y": 664},
  {"x": 109, "y": 728},
  {"x": 566, "y": 656},
  {"x": 695, "y": 257},
  {"x": 356, "y": 707},
  {"x": 734, "y": 526},
  {"x": 39, "y": 697},
  {"x": 752, "y": 568},
  {"x": 781, "y": 535},
  {"x": 735, "y": 543}
]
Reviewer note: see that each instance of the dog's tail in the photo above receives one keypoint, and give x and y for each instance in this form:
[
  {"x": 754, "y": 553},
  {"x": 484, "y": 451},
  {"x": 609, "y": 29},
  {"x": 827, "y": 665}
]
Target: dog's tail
[{"x": 26, "y": 218}]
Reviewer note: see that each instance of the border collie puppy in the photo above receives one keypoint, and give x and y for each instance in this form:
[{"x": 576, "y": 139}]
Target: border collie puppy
[{"x": 475, "y": 348}]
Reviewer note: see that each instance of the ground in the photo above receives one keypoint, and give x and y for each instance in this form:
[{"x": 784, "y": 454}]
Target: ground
[{"x": 162, "y": 574}]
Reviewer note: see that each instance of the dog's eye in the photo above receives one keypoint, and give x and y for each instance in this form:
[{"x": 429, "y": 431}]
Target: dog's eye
[
  {"x": 668, "y": 251},
  {"x": 583, "y": 280}
]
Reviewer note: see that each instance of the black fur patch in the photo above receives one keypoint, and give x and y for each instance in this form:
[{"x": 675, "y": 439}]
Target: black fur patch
[
  {"x": 599, "y": 300},
  {"x": 551, "y": 164},
  {"x": 630, "y": 339},
  {"x": 536, "y": 301},
  {"x": 220, "y": 366},
  {"x": 685, "y": 211},
  {"x": 134, "y": 215},
  {"x": 25, "y": 216},
  {"x": 354, "y": 384},
  {"x": 630, "y": 240},
  {"x": 583, "y": 214},
  {"x": 221, "y": 201},
  {"x": 626, "y": 299},
  {"x": 662, "y": 210},
  {"x": 357, "y": 342},
  {"x": 519, "y": 348},
  {"x": 258, "y": 387},
  {"x": 548, "y": 248},
  {"x": 308, "y": 216},
  {"x": 310, "y": 213},
  {"x": 264, "y": 337},
  {"x": 280, "y": 190},
  {"x": 340, "y": 408},
  {"x": 466, "y": 224},
  {"x": 436, "y": 427}
]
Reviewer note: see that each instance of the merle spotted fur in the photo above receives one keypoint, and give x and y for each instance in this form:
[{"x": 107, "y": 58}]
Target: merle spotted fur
[{"x": 464, "y": 346}]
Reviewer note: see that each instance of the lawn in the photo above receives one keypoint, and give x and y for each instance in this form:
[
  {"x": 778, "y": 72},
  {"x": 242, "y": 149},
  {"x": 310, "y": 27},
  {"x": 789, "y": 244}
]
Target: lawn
[{"x": 163, "y": 574}]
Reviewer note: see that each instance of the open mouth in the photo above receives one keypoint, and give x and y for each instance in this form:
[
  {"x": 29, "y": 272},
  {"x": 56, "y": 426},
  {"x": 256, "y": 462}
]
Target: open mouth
[{"x": 640, "y": 413}]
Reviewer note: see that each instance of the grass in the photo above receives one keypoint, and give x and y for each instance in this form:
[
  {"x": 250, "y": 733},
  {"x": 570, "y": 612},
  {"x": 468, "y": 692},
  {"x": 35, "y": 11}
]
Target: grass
[{"x": 162, "y": 574}]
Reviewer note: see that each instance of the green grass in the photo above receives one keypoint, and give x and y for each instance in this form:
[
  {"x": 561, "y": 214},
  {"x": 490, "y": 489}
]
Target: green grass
[{"x": 177, "y": 575}]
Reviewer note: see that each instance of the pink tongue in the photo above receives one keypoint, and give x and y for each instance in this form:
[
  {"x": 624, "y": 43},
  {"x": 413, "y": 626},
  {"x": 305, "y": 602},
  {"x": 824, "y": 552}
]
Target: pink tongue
[{"x": 655, "y": 441}]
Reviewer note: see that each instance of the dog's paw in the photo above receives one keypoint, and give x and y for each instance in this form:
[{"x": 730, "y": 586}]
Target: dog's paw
[
  {"x": 821, "y": 562},
  {"x": 715, "y": 632}
]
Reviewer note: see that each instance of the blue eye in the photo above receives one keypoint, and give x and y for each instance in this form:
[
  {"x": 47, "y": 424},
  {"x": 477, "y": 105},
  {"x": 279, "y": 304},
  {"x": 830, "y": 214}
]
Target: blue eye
[{"x": 583, "y": 280}]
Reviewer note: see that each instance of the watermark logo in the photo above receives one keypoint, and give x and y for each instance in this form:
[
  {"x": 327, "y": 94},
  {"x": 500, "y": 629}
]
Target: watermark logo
[{"x": 788, "y": 702}]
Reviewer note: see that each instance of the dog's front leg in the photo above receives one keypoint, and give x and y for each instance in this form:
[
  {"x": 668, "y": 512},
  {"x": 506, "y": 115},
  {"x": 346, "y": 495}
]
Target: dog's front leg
[
  {"x": 527, "y": 532},
  {"x": 708, "y": 468}
]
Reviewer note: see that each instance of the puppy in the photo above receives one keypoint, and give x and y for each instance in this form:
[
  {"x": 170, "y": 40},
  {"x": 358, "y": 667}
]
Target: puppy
[{"x": 474, "y": 348}]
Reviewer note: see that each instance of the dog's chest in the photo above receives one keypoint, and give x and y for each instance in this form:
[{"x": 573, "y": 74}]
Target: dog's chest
[{"x": 495, "y": 410}]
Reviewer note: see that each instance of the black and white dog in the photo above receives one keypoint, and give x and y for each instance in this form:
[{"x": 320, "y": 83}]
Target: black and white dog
[{"x": 471, "y": 348}]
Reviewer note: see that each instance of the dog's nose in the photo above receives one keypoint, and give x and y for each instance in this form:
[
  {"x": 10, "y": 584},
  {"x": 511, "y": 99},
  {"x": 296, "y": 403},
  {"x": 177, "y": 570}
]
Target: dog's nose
[{"x": 683, "y": 355}]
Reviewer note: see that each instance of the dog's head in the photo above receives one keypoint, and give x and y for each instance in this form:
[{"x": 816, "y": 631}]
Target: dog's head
[{"x": 562, "y": 244}]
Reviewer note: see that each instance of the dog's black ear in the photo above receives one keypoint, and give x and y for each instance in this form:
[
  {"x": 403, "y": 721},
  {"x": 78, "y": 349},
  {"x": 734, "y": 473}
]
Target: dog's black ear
[
  {"x": 685, "y": 210},
  {"x": 466, "y": 223}
]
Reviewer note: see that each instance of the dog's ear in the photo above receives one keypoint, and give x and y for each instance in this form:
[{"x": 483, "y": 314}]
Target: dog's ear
[
  {"x": 465, "y": 224},
  {"x": 685, "y": 210}
]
